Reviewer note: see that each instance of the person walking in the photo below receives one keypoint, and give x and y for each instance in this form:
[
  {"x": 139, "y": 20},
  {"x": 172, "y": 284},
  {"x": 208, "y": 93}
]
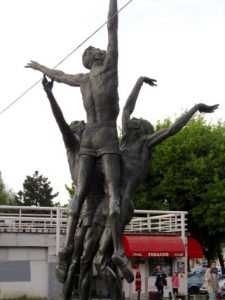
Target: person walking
[
  {"x": 211, "y": 280},
  {"x": 160, "y": 280},
  {"x": 175, "y": 283}
]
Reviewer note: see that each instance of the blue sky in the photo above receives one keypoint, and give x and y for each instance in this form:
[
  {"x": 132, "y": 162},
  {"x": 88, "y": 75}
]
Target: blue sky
[{"x": 181, "y": 43}]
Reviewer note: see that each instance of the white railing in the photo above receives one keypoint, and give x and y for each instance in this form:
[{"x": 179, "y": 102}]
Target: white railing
[
  {"x": 19, "y": 218},
  {"x": 34, "y": 220},
  {"x": 154, "y": 221},
  {"x": 54, "y": 220}
]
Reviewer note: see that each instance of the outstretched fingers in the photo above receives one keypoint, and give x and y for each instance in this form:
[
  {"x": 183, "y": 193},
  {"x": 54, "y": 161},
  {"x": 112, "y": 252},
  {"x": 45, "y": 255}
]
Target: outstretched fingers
[
  {"x": 208, "y": 108},
  {"x": 212, "y": 108},
  {"x": 150, "y": 81},
  {"x": 31, "y": 64}
]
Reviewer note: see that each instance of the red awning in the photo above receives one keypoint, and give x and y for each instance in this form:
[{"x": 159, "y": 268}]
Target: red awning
[
  {"x": 194, "y": 248},
  {"x": 153, "y": 246}
]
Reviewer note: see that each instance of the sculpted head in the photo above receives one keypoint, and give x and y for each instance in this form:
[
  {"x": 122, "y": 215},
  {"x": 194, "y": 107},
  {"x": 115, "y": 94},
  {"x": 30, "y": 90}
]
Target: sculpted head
[
  {"x": 136, "y": 128},
  {"x": 92, "y": 55},
  {"x": 140, "y": 125},
  {"x": 77, "y": 128}
]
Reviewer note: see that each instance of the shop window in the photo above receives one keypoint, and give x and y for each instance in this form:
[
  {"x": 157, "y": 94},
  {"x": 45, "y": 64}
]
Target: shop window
[{"x": 164, "y": 262}]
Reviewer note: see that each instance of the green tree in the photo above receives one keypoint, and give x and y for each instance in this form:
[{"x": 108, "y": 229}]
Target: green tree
[
  {"x": 71, "y": 190},
  {"x": 37, "y": 191},
  {"x": 6, "y": 196},
  {"x": 188, "y": 173}
]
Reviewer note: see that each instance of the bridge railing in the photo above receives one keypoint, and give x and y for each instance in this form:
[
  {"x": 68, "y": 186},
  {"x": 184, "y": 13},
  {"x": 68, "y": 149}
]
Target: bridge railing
[
  {"x": 34, "y": 220},
  {"x": 174, "y": 222},
  {"x": 22, "y": 217},
  {"x": 54, "y": 220}
]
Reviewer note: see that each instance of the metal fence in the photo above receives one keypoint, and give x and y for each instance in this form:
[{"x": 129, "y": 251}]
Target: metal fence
[{"x": 54, "y": 220}]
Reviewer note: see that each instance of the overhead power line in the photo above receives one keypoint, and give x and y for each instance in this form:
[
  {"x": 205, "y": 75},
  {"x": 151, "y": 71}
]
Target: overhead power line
[{"x": 61, "y": 61}]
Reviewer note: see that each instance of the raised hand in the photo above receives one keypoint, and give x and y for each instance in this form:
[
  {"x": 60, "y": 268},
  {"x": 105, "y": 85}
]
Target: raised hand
[
  {"x": 33, "y": 65},
  {"x": 150, "y": 81},
  {"x": 203, "y": 108},
  {"x": 47, "y": 85}
]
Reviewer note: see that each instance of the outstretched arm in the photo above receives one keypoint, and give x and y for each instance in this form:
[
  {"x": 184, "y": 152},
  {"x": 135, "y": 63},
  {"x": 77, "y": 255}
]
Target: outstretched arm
[
  {"x": 163, "y": 134},
  {"x": 131, "y": 101},
  {"x": 112, "y": 26},
  {"x": 69, "y": 139},
  {"x": 59, "y": 76}
]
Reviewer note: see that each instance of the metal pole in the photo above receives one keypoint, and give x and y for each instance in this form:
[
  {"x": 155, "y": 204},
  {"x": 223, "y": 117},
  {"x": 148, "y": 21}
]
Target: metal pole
[
  {"x": 138, "y": 294},
  {"x": 57, "y": 230}
]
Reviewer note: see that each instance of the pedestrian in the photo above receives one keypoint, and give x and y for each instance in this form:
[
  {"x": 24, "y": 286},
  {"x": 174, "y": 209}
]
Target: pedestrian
[
  {"x": 211, "y": 280},
  {"x": 175, "y": 283},
  {"x": 160, "y": 280}
]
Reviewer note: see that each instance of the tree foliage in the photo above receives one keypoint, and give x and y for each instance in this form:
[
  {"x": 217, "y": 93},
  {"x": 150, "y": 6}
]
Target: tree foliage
[
  {"x": 71, "y": 190},
  {"x": 188, "y": 173},
  {"x": 6, "y": 196},
  {"x": 37, "y": 191}
]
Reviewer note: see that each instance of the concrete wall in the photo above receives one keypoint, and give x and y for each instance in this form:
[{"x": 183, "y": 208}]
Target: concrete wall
[{"x": 27, "y": 265}]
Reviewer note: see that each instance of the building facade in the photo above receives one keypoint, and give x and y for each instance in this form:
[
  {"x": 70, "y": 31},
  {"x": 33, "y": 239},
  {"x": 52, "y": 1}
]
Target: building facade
[{"x": 30, "y": 239}]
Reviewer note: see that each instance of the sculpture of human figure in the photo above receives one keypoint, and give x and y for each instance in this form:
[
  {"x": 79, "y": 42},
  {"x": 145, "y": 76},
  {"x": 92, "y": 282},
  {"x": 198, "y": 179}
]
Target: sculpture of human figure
[
  {"x": 99, "y": 89},
  {"x": 89, "y": 252},
  {"x": 92, "y": 220},
  {"x": 109, "y": 275},
  {"x": 127, "y": 129},
  {"x": 138, "y": 140}
]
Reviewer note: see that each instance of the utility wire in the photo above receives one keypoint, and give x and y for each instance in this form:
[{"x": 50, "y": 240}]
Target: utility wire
[{"x": 68, "y": 55}]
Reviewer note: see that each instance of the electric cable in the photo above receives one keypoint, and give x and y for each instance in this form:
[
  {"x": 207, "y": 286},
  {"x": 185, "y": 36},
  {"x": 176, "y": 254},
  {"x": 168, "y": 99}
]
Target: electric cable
[{"x": 67, "y": 56}]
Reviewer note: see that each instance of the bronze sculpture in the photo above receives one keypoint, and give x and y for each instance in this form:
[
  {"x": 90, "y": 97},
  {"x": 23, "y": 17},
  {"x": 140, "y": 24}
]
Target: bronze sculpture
[
  {"x": 106, "y": 175},
  {"x": 94, "y": 238},
  {"x": 100, "y": 138}
]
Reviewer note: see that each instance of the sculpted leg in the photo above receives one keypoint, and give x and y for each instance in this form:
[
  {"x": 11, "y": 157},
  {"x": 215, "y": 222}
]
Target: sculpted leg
[
  {"x": 113, "y": 283},
  {"x": 84, "y": 183},
  {"x": 90, "y": 248},
  {"x": 64, "y": 256},
  {"x": 105, "y": 250},
  {"x": 111, "y": 167},
  {"x": 74, "y": 267},
  {"x": 85, "y": 286}
]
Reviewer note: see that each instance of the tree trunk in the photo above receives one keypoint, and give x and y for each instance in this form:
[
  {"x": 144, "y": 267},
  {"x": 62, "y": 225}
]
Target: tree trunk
[{"x": 220, "y": 257}]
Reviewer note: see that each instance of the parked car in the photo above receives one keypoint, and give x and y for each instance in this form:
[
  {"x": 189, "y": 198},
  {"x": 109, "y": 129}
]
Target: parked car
[
  {"x": 203, "y": 290},
  {"x": 219, "y": 270},
  {"x": 195, "y": 281},
  {"x": 201, "y": 270},
  {"x": 198, "y": 270}
]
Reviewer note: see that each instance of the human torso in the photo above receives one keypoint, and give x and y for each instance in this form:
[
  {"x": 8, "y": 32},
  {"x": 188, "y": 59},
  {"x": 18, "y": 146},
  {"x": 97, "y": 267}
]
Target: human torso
[
  {"x": 135, "y": 159},
  {"x": 73, "y": 161},
  {"x": 175, "y": 282},
  {"x": 100, "y": 95},
  {"x": 160, "y": 275},
  {"x": 211, "y": 278}
]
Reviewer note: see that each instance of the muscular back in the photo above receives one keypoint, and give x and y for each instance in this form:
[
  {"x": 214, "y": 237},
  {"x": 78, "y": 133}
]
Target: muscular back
[{"x": 100, "y": 96}]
